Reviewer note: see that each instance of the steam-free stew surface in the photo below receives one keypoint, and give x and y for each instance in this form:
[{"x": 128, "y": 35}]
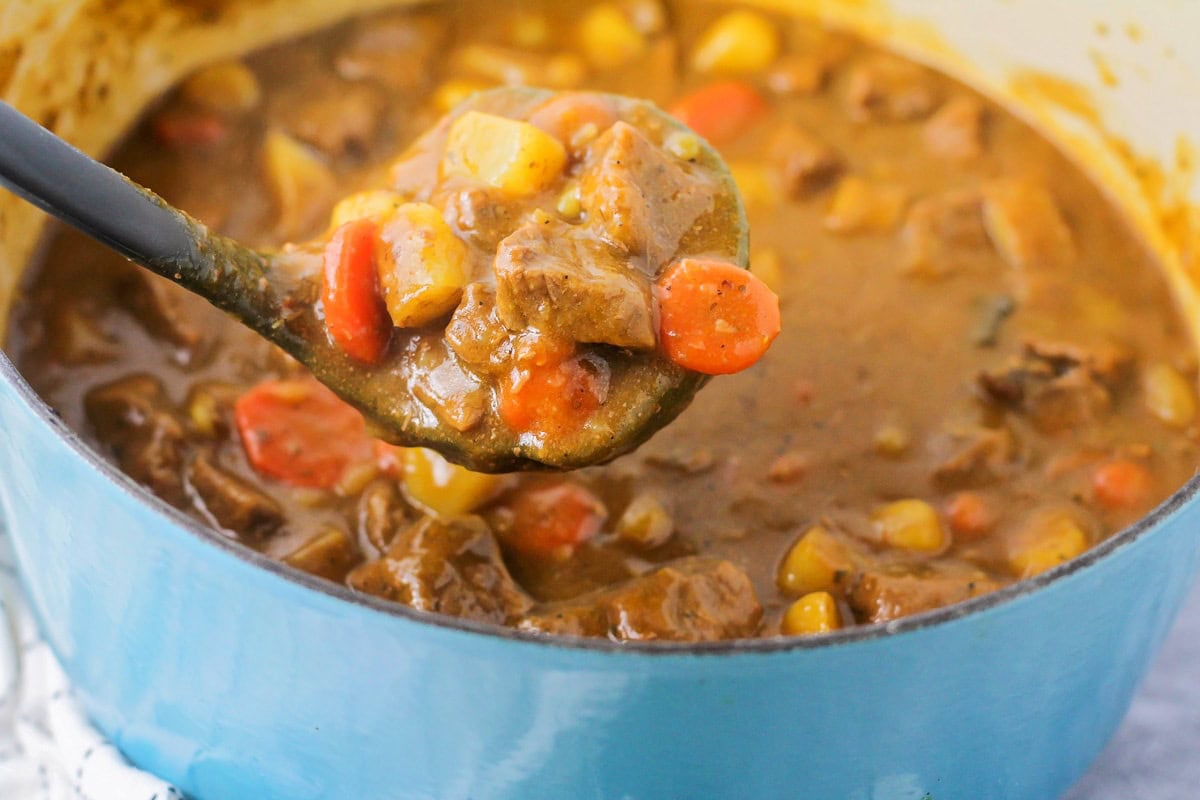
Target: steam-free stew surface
[{"x": 980, "y": 373}]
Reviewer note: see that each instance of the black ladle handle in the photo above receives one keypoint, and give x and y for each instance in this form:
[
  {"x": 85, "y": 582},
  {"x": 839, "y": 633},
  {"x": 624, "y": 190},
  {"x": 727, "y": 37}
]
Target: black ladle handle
[{"x": 102, "y": 203}]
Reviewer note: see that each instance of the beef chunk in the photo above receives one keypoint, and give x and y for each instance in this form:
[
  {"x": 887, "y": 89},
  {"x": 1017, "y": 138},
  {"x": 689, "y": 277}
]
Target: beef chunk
[
  {"x": 1057, "y": 386},
  {"x": 559, "y": 278},
  {"x": 689, "y": 600},
  {"x": 889, "y": 593},
  {"x": 76, "y": 337},
  {"x": 475, "y": 332},
  {"x": 806, "y": 163},
  {"x": 450, "y": 567},
  {"x": 885, "y": 88},
  {"x": 955, "y": 132},
  {"x": 1026, "y": 224},
  {"x": 483, "y": 214},
  {"x": 382, "y": 512},
  {"x": 977, "y": 458},
  {"x": 335, "y": 116},
  {"x": 398, "y": 50},
  {"x": 233, "y": 503},
  {"x": 160, "y": 307},
  {"x": 330, "y": 555},
  {"x": 455, "y": 395},
  {"x": 135, "y": 419},
  {"x": 944, "y": 233},
  {"x": 640, "y": 199}
]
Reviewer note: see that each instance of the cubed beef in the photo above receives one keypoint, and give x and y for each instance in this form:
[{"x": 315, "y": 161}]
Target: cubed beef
[
  {"x": 976, "y": 457},
  {"x": 382, "y": 512},
  {"x": 475, "y": 332},
  {"x": 689, "y": 600},
  {"x": 944, "y": 233},
  {"x": 1026, "y": 224},
  {"x": 233, "y": 503},
  {"x": 639, "y": 198},
  {"x": 338, "y": 117},
  {"x": 134, "y": 418},
  {"x": 561, "y": 279},
  {"x": 398, "y": 50},
  {"x": 449, "y": 567},
  {"x": 955, "y": 132},
  {"x": 805, "y": 162},
  {"x": 483, "y": 215},
  {"x": 160, "y": 307},
  {"x": 890, "y": 593},
  {"x": 330, "y": 555},
  {"x": 887, "y": 88}
]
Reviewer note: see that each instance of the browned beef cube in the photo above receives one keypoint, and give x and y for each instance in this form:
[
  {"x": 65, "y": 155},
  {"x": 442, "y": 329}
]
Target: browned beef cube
[
  {"x": 335, "y": 116},
  {"x": 883, "y": 87},
  {"x": 955, "y": 132},
  {"x": 483, "y": 214},
  {"x": 561, "y": 279},
  {"x": 475, "y": 332},
  {"x": 397, "y": 50},
  {"x": 689, "y": 600},
  {"x": 977, "y": 458},
  {"x": 639, "y": 198},
  {"x": 160, "y": 307},
  {"x": 233, "y": 503},
  {"x": 806, "y": 163},
  {"x": 382, "y": 512},
  {"x": 890, "y": 593},
  {"x": 450, "y": 567},
  {"x": 330, "y": 555},
  {"x": 944, "y": 233}
]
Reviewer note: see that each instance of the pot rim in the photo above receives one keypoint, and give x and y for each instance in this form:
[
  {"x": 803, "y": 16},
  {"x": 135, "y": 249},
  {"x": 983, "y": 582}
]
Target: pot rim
[{"x": 764, "y": 646}]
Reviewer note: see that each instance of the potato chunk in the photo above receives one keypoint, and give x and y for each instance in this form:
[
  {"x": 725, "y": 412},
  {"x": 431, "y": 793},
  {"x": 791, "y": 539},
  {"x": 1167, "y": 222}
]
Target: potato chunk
[
  {"x": 1026, "y": 225},
  {"x": 422, "y": 265},
  {"x": 511, "y": 155},
  {"x": 300, "y": 182}
]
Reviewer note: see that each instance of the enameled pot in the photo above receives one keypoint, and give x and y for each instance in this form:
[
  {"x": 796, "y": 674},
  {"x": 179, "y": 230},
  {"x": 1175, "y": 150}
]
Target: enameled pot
[{"x": 235, "y": 677}]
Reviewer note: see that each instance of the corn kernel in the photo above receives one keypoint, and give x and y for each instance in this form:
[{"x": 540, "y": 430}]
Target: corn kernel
[
  {"x": 892, "y": 440},
  {"x": 768, "y": 266},
  {"x": 755, "y": 183},
  {"x": 859, "y": 205},
  {"x": 816, "y": 612},
  {"x": 1168, "y": 395},
  {"x": 422, "y": 265},
  {"x": 446, "y": 489},
  {"x": 816, "y": 562},
  {"x": 609, "y": 38},
  {"x": 1048, "y": 541},
  {"x": 683, "y": 145},
  {"x": 646, "y": 522},
  {"x": 376, "y": 205},
  {"x": 569, "y": 203},
  {"x": 451, "y": 92},
  {"x": 229, "y": 87},
  {"x": 738, "y": 43},
  {"x": 911, "y": 524},
  {"x": 511, "y": 155}
]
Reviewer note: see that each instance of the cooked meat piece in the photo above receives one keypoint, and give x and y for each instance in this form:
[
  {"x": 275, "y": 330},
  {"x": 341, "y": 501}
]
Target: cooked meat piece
[
  {"x": 1057, "y": 386},
  {"x": 450, "y": 567},
  {"x": 234, "y": 504},
  {"x": 688, "y": 600},
  {"x": 330, "y": 555},
  {"x": 483, "y": 215},
  {"x": 944, "y": 233},
  {"x": 806, "y": 163},
  {"x": 559, "y": 278},
  {"x": 860, "y": 206},
  {"x": 639, "y": 198},
  {"x": 134, "y": 418},
  {"x": 1026, "y": 224},
  {"x": 398, "y": 50},
  {"x": 475, "y": 332},
  {"x": 955, "y": 132},
  {"x": 886, "y": 88},
  {"x": 382, "y": 512},
  {"x": 977, "y": 458},
  {"x": 455, "y": 395},
  {"x": 890, "y": 593},
  {"x": 335, "y": 116},
  {"x": 798, "y": 75},
  {"x": 75, "y": 336},
  {"x": 162, "y": 308},
  {"x": 516, "y": 67}
]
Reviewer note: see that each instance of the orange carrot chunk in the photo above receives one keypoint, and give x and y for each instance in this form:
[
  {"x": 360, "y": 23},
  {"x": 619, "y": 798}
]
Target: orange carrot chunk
[
  {"x": 716, "y": 318},
  {"x": 355, "y": 314},
  {"x": 299, "y": 432},
  {"x": 720, "y": 111},
  {"x": 551, "y": 521},
  {"x": 1122, "y": 485},
  {"x": 969, "y": 515},
  {"x": 551, "y": 392}
]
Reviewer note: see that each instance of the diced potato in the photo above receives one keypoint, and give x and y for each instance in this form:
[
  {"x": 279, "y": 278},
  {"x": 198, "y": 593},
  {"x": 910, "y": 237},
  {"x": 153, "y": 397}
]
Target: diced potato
[
  {"x": 646, "y": 522},
  {"x": 738, "y": 43},
  {"x": 229, "y": 87},
  {"x": 446, "y": 489},
  {"x": 451, "y": 92},
  {"x": 377, "y": 204},
  {"x": 609, "y": 38},
  {"x": 892, "y": 440},
  {"x": 816, "y": 562},
  {"x": 1049, "y": 540},
  {"x": 1026, "y": 225},
  {"x": 816, "y": 612},
  {"x": 355, "y": 479},
  {"x": 300, "y": 182},
  {"x": 912, "y": 524},
  {"x": 422, "y": 265},
  {"x": 330, "y": 554},
  {"x": 511, "y": 155},
  {"x": 1168, "y": 395},
  {"x": 755, "y": 182},
  {"x": 529, "y": 29},
  {"x": 768, "y": 266},
  {"x": 516, "y": 67},
  {"x": 861, "y": 206}
]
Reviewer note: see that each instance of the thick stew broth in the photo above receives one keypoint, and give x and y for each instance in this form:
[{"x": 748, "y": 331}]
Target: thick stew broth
[{"x": 980, "y": 372}]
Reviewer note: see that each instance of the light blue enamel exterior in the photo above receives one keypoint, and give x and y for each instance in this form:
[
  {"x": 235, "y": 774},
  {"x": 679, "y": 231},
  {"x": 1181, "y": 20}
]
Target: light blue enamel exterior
[{"x": 238, "y": 681}]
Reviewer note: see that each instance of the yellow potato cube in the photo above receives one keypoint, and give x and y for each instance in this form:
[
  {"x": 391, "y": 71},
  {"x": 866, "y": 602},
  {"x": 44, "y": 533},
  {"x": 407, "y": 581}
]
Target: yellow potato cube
[
  {"x": 300, "y": 182},
  {"x": 911, "y": 524},
  {"x": 446, "y": 489},
  {"x": 1026, "y": 225},
  {"x": 816, "y": 562},
  {"x": 609, "y": 38},
  {"x": 511, "y": 155},
  {"x": 422, "y": 265},
  {"x": 755, "y": 183},
  {"x": 377, "y": 205},
  {"x": 1046, "y": 542},
  {"x": 453, "y": 91},
  {"x": 1168, "y": 395},
  {"x": 861, "y": 206},
  {"x": 816, "y": 612},
  {"x": 738, "y": 43},
  {"x": 229, "y": 87}
]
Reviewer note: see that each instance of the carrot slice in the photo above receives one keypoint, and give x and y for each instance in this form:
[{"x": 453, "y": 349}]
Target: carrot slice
[
  {"x": 551, "y": 521},
  {"x": 355, "y": 314},
  {"x": 552, "y": 391},
  {"x": 1122, "y": 485},
  {"x": 720, "y": 111},
  {"x": 299, "y": 432},
  {"x": 969, "y": 515},
  {"x": 189, "y": 128},
  {"x": 715, "y": 317}
]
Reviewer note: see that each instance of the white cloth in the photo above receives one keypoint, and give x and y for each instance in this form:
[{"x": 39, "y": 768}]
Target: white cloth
[{"x": 48, "y": 751}]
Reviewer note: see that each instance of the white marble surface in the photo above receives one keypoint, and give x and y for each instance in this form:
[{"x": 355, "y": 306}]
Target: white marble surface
[{"x": 1156, "y": 753}]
